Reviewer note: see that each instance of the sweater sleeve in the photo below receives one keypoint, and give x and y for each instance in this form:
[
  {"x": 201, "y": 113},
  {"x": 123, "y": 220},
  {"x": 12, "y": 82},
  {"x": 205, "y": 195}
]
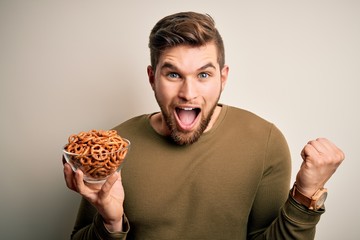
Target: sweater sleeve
[
  {"x": 275, "y": 215},
  {"x": 89, "y": 225}
]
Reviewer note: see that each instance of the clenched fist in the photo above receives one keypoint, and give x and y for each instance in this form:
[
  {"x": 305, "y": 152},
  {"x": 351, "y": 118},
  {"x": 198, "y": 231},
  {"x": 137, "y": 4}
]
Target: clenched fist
[{"x": 321, "y": 159}]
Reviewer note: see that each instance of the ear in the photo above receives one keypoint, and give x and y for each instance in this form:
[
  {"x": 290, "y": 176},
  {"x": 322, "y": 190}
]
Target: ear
[
  {"x": 224, "y": 76},
  {"x": 151, "y": 76}
]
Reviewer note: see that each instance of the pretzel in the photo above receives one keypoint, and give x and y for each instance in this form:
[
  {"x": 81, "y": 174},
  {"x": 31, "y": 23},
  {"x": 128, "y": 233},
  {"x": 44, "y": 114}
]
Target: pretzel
[{"x": 97, "y": 153}]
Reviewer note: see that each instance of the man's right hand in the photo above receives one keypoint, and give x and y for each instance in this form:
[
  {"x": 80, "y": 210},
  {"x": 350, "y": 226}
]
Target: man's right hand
[{"x": 107, "y": 198}]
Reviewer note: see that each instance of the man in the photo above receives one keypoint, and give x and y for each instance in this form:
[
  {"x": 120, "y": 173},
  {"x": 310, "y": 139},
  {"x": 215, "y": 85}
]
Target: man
[{"x": 199, "y": 169}]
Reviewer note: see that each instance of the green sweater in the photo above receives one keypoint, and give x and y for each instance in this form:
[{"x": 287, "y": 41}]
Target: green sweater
[{"x": 233, "y": 183}]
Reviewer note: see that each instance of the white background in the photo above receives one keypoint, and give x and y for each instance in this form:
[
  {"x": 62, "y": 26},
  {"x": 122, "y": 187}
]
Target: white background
[{"x": 69, "y": 66}]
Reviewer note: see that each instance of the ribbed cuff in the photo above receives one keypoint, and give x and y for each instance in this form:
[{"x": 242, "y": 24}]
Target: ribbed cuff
[
  {"x": 103, "y": 233},
  {"x": 300, "y": 214}
]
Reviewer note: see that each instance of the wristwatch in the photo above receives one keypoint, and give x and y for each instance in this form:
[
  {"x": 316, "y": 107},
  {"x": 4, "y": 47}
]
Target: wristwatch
[{"x": 315, "y": 202}]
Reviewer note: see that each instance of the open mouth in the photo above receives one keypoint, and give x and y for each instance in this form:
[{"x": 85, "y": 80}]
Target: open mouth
[{"x": 187, "y": 116}]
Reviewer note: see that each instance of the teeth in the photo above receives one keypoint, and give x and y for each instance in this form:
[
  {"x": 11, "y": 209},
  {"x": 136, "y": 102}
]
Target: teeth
[{"x": 187, "y": 109}]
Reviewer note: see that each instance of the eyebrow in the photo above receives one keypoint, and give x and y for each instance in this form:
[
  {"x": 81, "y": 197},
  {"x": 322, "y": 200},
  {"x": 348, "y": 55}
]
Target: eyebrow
[{"x": 173, "y": 67}]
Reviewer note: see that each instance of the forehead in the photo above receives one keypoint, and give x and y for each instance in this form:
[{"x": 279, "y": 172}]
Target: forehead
[{"x": 189, "y": 57}]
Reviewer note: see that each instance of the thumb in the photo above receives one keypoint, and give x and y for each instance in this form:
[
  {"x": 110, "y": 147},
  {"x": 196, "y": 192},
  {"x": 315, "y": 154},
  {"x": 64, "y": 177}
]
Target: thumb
[{"x": 109, "y": 183}]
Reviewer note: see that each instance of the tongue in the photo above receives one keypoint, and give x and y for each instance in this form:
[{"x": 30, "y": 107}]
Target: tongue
[{"x": 187, "y": 116}]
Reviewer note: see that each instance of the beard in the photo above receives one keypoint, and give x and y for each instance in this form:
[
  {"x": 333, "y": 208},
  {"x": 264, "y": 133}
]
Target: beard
[
  {"x": 186, "y": 138},
  {"x": 181, "y": 137}
]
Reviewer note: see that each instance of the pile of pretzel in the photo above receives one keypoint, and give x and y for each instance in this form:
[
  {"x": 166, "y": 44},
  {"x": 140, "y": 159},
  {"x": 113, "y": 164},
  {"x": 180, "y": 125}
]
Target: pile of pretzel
[{"x": 97, "y": 153}]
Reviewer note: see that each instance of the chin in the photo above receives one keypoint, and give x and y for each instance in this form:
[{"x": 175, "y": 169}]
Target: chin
[{"x": 182, "y": 138}]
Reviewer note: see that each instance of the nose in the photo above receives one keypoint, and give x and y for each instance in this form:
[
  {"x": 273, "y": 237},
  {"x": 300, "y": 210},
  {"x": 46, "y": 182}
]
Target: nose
[{"x": 188, "y": 89}]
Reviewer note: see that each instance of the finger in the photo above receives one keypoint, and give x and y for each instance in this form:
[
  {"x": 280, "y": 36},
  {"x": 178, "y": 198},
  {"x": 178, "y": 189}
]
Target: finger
[
  {"x": 105, "y": 189},
  {"x": 69, "y": 177},
  {"x": 79, "y": 182},
  {"x": 319, "y": 145},
  {"x": 324, "y": 145},
  {"x": 303, "y": 154},
  {"x": 332, "y": 148},
  {"x": 308, "y": 151}
]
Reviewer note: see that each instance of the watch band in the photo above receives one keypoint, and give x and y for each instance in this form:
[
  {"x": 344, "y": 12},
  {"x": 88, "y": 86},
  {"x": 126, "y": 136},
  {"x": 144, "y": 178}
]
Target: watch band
[
  {"x": 314, "y": 202},
  {"x": 300, "y": 197}
]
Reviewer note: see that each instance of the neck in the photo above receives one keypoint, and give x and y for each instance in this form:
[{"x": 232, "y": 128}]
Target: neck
[{"x": 214, "y": 117}]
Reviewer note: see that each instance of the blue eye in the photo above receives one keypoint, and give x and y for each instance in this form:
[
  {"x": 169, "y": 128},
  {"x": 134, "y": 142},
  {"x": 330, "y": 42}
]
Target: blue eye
[
  {"x": 203, "y": 75},
  {"x": 173, "y": 75}
]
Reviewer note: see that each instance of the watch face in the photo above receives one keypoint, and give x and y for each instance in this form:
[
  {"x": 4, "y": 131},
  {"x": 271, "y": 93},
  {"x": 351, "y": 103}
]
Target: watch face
[{"x": 320, "y": 202}]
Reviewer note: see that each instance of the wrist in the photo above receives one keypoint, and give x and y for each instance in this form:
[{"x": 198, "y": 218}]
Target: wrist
[
  {"x": 307, "y": 188},
  {"x": 312, "y": 202}
]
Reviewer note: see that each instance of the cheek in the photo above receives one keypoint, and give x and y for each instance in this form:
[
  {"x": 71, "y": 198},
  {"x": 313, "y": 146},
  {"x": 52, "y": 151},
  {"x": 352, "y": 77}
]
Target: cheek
[
  {"x": 165, "y": 92},
  {"x": 212, "y": 92}
]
